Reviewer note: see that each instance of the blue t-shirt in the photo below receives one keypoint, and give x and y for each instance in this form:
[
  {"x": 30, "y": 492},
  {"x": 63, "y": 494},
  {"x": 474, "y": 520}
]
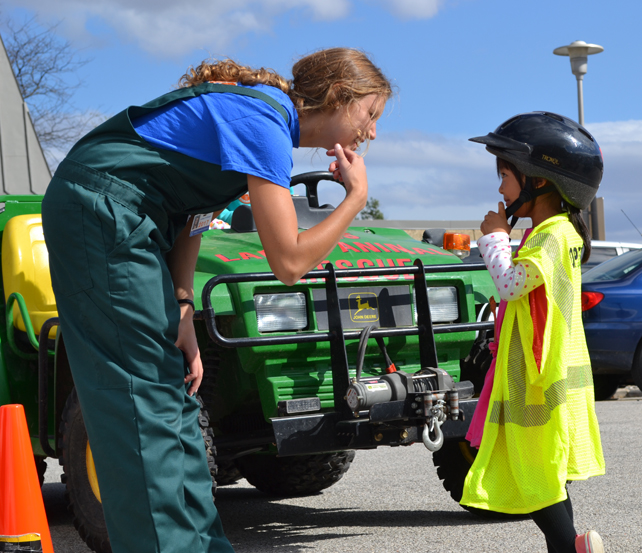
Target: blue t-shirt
[{"x": 239, "y": 133}]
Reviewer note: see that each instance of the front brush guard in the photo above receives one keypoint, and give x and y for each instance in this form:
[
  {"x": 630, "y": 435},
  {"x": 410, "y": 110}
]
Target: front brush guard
[{"x": 389, "y": 423}]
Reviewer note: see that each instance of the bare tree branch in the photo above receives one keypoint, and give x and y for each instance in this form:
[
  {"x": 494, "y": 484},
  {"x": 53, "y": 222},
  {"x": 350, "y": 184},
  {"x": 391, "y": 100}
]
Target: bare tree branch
[{"x": 46, "y": 68}]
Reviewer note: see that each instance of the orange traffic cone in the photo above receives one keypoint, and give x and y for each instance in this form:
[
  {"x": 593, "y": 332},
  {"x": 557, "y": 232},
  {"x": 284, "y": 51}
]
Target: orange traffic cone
[{"x": 23, "y": 522}]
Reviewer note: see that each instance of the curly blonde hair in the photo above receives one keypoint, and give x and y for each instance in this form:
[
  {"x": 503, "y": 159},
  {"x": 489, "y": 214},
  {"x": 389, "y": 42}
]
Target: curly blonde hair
[{"x": 321, "y": 81}]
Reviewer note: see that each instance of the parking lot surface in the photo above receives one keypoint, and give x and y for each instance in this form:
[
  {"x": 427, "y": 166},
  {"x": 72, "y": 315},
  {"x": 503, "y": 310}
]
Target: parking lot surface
[{"x": 392, "y": 501}]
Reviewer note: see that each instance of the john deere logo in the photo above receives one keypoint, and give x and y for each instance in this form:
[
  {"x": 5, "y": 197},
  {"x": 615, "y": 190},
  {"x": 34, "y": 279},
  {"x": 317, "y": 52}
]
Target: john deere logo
[
  {"x": 550, "y": 159},
  {"x": 363, "y": 307}
]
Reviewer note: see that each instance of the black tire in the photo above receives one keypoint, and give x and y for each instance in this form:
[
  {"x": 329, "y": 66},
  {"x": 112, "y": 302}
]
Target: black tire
[
  {"x": 636, "y": 369},
  {"x": 41, "y": 468},
  {"x": 227, "y": 472},
  {"x": 605, "y": 385},
  {"x": 84, "y": 504},
  {"x": 295, "y": 476},
  {"x": 208, "y": 439},
  {"x": 453, "y": 461},
  {"x": 476, "y": 364}
]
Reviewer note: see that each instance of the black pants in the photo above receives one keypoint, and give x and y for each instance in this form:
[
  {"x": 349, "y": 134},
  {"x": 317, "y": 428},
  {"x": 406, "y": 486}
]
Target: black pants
[{"x": 556, "y": 522}]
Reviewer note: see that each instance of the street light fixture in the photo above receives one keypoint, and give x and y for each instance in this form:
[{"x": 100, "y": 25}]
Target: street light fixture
[{"x": 578, "y": 52}]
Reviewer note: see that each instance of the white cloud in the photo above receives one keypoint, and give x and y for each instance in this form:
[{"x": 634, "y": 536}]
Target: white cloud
[
  {"x": 621, "y": 143},
  {"x": 167, "y": 28},
  {"x": 616, "y": 132},
  {"x": 170, "y": 29}
]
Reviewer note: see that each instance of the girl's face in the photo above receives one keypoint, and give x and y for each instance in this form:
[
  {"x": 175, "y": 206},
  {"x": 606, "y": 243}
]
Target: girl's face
[
  {"x": 510, "y": 188},
  {"x": 352, "y": 125}
]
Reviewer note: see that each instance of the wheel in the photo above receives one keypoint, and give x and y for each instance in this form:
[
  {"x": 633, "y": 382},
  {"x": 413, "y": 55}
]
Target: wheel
[
  {"x": 294, "y": 476},
  {"x": 453, "y": 461},
  {"x": 476, "y": 364},
  {"x": 79, "y": 476},
  {"x": 605, "y": 385},
  {"x": 208, "y": 439},
  {"x": 226, "y": 472},
  {"x": 41, "y": 468},
  {"x": 636, "y": 369},
  {"x": 79, "y": 473}
]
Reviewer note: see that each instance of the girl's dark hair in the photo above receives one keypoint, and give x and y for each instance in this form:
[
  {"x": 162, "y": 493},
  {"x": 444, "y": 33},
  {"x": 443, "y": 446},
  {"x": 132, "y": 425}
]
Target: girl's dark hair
[
  {"x": 574, "y": 214},
  {"x": 575, "y": 217}
]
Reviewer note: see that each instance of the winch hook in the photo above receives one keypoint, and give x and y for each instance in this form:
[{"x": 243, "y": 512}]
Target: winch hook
[
  {"x": 436, "y": 420},
  {"x": 439, "y": 436}
]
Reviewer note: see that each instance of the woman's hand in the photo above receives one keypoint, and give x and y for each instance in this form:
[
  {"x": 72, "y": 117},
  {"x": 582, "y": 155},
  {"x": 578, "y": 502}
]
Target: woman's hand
[
  {"x": 189, "y": 346},
  {"x": 496, "y": 222},
  {"x": 350, "y": 169}
]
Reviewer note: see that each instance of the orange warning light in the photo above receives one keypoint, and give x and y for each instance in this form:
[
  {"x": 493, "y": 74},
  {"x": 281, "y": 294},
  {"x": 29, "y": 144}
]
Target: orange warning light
[{"x": 457, "y": 244}]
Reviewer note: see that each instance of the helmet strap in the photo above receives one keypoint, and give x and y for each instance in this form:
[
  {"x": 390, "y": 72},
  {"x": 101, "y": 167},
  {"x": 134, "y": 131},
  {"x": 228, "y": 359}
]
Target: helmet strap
[{"x": 528, "y": 194}]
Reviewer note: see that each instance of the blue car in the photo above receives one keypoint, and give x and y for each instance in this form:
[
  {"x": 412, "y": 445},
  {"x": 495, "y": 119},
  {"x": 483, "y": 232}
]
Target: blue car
[{"x": 612, "y": 316}]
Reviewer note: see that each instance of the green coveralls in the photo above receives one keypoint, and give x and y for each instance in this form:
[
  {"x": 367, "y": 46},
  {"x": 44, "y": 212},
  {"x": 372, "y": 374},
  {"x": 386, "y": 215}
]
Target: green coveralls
[{"x": 110, "y": 214}]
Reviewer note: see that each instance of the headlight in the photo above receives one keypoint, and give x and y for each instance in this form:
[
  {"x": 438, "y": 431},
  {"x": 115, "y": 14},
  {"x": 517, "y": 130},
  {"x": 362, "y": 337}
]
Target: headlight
[
  {"x": 275, "y": 312},
  {"x": 443, "y": 304}
]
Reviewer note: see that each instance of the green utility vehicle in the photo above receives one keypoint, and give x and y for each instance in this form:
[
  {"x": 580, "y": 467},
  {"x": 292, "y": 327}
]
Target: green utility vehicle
[{"x": 366, "y": 351}]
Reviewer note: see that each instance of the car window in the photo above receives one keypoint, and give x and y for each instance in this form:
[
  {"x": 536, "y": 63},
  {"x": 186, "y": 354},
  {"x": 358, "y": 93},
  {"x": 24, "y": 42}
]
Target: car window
[
  {"x": 615, "y": 268},
  {"x": 601, "y": 254}
]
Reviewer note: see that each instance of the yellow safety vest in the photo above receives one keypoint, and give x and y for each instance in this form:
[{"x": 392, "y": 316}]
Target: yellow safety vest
[{"x": 541, "y": 429}]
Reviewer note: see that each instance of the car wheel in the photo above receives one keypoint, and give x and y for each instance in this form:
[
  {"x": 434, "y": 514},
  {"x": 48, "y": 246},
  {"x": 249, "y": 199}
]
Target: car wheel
[
  {"x": 636, "y": 369},
  {"x": 605, "y": 385}
]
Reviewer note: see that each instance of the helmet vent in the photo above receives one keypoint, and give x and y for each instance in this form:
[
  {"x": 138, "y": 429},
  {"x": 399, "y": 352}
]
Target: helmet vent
[
  {"x": 584, "y": 131},
  {"x": 553, "y": 116}
]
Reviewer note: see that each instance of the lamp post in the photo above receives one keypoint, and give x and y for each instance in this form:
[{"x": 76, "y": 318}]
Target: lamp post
[{"x": 578, "y": 52}]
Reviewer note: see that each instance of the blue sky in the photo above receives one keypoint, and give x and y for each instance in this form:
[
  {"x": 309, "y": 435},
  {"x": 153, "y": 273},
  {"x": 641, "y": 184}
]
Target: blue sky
[{"x": 461, "y": 67}]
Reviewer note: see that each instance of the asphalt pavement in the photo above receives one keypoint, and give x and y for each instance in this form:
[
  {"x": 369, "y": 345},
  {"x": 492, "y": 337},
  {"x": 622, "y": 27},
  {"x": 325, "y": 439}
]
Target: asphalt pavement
[{"x": 392, "y": 501}]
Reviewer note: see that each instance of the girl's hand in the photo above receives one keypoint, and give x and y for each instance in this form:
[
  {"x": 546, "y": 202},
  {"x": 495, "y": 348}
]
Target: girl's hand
[
  {"x": 189, "y": 346},
  {"x": 350, "y": 169},
  {"x": 496, "y": 222}
]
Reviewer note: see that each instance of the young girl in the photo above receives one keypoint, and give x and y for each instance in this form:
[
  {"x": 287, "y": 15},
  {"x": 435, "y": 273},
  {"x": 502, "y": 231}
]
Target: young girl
[
  {"x": 117, "y": 219},
  {"x": 539, "y": 426}
]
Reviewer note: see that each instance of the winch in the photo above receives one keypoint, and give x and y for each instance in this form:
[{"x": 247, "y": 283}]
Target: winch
[{"x": 430, "y": 394}]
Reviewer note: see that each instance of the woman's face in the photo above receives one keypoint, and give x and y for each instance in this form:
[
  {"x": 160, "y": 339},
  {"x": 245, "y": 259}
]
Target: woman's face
[{"x": 352, "y": 125}]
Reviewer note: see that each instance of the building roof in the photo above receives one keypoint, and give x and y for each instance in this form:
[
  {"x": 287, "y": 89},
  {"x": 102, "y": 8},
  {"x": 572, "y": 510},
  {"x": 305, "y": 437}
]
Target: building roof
[{"x": 23, "y": 167}]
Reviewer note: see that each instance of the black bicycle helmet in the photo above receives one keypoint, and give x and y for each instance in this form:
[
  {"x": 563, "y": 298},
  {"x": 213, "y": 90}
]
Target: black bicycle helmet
[{"x": 554, "y": 147}]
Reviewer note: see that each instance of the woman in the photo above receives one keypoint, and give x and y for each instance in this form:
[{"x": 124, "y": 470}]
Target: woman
[{"x": 118, "y": 222}]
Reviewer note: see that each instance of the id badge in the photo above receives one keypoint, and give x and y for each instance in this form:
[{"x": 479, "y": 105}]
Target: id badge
[{"x": 201, "y": 223}]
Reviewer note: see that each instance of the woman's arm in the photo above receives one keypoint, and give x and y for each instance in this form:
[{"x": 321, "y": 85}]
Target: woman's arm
[
  {"x": 292, "y": 254},
  {"x": 181, "y": 261}
]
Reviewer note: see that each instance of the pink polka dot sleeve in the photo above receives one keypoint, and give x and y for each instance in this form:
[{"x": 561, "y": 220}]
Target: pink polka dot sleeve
[{"x": 512, "y": 280}]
